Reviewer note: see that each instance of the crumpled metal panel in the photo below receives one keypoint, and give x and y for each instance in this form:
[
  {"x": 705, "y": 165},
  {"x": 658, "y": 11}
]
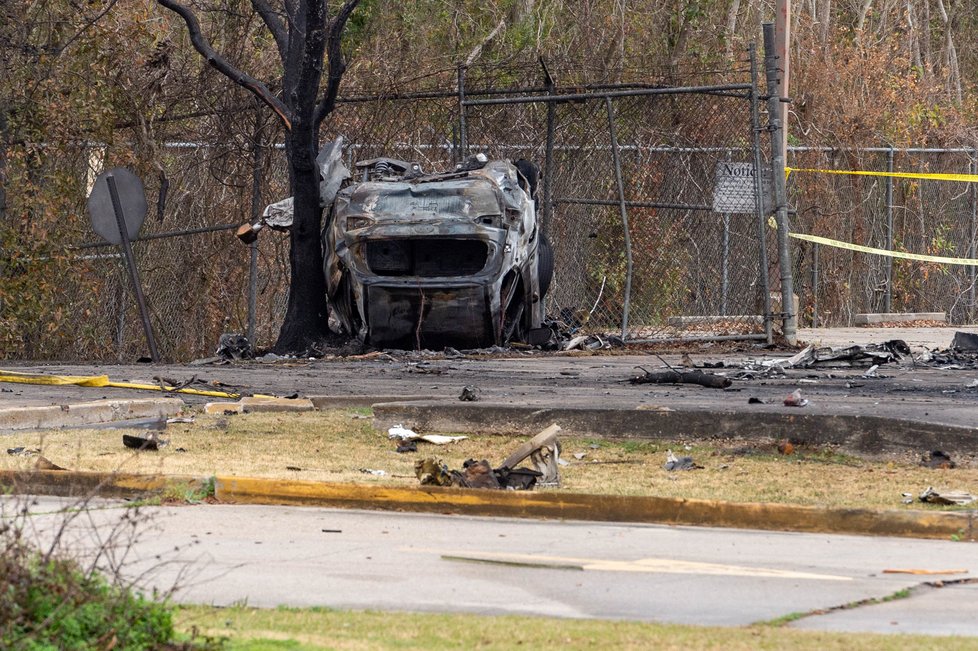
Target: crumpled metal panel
[{"x": 407, "y": 302}]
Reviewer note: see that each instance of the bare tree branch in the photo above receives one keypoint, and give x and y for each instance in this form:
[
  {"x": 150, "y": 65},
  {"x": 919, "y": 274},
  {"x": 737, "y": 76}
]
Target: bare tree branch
[
  {"x": 222, "y": 65},
  {"x": 86, "y": 26},
  {"x": 274, "y": 24},
  {"x": 477, "y": 50},
  {"x": 337, "y": 65}
]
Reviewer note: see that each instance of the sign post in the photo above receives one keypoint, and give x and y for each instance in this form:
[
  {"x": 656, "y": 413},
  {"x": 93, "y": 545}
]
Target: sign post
[{"x": 117, "y": 206}]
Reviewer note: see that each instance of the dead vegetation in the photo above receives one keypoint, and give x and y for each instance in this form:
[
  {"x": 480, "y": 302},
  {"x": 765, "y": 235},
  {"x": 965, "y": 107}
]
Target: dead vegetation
[{"x": 343, "y": 446}]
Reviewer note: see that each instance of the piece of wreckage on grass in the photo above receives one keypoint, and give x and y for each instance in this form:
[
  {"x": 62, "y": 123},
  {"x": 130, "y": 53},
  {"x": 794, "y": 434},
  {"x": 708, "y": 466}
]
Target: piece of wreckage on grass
[{"x": 418, "y": 260}]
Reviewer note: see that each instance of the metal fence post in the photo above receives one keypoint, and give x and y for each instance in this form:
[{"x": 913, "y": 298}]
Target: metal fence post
[
  {"x": 815, "y": 285},
  {"x": 888, "y": 296},
  {"x": 256, "y": 159},
  {"x": 790, "y": 323},
  {"x": 973, "y": 168},
  {"x": 759, "y": 206},
  {"x": 463, "y": 135},
  {"x": 548, "y": 163},
  {"x": 624, "y": 216}
]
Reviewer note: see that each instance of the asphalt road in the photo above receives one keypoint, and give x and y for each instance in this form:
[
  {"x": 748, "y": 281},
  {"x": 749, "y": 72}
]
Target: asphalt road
[{"x": 270, "y": 556}]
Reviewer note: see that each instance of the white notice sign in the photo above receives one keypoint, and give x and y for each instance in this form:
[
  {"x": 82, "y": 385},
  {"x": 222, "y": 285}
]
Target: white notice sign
[{"x": 734, "y": 188}]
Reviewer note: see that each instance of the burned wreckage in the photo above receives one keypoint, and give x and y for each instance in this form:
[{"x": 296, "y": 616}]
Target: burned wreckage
[{"x": 419, "y": 260}]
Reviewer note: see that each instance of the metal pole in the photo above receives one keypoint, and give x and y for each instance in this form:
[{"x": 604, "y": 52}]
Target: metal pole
[
  {"x": 131, "y": 263},
  {"x": 256, "y": 158},
  {"x": 815, "y": 286},
  {"x": 624, "y": 217},
  {"x": 973, "y": 168},
  {"x": 548, "y": 163},
  {"x": 463, "y": 134},
  {"x": 888, "y": 296},
  {"x": 759, "y": 195},
  {"x": 725, "y": 257},
  {"x": 725, "y": 281},
  {"x": 790, "y": 322}
]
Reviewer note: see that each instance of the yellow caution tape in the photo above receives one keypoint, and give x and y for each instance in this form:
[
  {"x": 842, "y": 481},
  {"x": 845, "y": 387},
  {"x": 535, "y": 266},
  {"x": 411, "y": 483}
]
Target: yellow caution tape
[
  {"x": 893, "y": 254},
  {"x": 104, "y": 381},
  {"x": 965, "y": 178}
]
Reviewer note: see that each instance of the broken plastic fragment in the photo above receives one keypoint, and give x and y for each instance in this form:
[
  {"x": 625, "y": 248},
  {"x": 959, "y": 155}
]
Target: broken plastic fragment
[
  {"x": 794, "y": 399},
  {"x": 680, "y": 463},
  {"x": 400, "y": 432},
  {"x": 931, "y": 496}
]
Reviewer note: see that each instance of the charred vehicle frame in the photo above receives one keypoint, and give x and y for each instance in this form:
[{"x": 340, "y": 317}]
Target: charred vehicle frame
[{"x": 416, "y": 260}]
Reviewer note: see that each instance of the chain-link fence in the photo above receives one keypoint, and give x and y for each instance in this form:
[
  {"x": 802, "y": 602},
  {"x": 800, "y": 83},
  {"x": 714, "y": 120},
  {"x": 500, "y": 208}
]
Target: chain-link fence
[
  {"x": 650, "y": 242},
  {"x": 920, "y": 216},
  {"x": 648, "y": 197}
]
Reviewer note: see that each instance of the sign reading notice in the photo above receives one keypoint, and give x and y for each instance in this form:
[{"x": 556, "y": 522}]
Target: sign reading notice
[{"x": 734, "y": 188}]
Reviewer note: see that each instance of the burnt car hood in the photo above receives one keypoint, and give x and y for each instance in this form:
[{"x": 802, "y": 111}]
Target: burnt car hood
[{"x": 428, "y": 255}]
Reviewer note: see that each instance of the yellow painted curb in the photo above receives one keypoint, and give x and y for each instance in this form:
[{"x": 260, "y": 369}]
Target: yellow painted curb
[
  {"x": 957, "y": 525},
  {"x": 606, "y": 508},
  {"x": 68, "y": 483}
]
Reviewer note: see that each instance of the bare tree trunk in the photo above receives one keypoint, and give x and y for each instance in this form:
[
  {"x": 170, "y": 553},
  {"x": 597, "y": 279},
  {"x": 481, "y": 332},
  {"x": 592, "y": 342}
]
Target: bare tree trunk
[
  {"x": 732, "y": 12},
  {"x": 861, "y": 21},
  {"x": 924, "y": 34},
  {"x": 951, "y": 54},
  {"x": 824, "y": 20},
  {"x": 913, "y": 30}
]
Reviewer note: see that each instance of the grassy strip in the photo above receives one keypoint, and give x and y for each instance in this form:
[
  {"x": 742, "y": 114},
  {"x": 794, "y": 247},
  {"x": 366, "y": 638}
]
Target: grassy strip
[
  {"x": 281, "y": 629},
  {"x": 336, "y": 445}
]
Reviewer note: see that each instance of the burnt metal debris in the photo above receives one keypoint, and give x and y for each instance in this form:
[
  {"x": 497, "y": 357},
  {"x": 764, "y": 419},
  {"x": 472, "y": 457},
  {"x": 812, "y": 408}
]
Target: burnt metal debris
[
  {"x": 543, "y": 450},
  {"x": 673, "y": 376},
  {"x": 419, "y": 260}
]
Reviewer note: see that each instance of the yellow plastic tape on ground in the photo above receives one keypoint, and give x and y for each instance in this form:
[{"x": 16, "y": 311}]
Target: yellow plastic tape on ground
[
  {"x": 893, "y": 254},
  {"x": 965, "y": 178},
  {"x": 103, "y": 381}
]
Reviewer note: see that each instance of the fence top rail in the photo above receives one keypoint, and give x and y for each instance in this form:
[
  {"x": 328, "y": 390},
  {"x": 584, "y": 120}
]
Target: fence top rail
[
  {"x": 885, "y": 150},
  {"x": 634, "y": 92}
]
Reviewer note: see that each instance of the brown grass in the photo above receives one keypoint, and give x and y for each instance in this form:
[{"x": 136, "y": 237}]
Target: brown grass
[{"x": 336, "y": 445}]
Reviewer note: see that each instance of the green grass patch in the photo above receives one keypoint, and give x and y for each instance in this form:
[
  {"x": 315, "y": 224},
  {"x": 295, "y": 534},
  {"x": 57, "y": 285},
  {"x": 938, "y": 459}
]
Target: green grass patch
[{"x": 255, "y": 629}]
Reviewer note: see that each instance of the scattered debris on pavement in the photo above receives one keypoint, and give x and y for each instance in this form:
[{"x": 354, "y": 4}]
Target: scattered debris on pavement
[
  {"x": 794, "y": 399},
  {"x": 756, "y": 401},
  {"x": 680, "y": 463},
  {"x": 149, "y": 442},
  {"x": 592, "y": 342},
  {"x": 710, "y": 380},
  {"x": 234, "y": 346},
  {"x": 892, "y": 351},
  {"x": 932, "y": 496},
  {"x": 469, "y": 394},
  {"x": 938, "y": 459}
]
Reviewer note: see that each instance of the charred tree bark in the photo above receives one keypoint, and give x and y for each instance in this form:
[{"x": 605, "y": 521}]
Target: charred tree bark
[{"x": 305, "y": 41}]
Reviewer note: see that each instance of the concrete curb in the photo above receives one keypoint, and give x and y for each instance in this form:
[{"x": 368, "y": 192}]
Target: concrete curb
[
  {"x": 869, "y": 434},
  {"x": 958, "y": 525},
  {"x": 87, "y": 413},
  {"x": 68, "y": 483}
]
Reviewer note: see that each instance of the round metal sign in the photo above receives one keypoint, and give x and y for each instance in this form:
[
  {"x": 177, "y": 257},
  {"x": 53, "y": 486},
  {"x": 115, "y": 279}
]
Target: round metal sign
[{"x": 132, "y": 201}]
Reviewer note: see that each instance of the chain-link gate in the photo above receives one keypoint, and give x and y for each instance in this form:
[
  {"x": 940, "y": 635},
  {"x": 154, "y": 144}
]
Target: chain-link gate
[{"x": 650, "y": 201}]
